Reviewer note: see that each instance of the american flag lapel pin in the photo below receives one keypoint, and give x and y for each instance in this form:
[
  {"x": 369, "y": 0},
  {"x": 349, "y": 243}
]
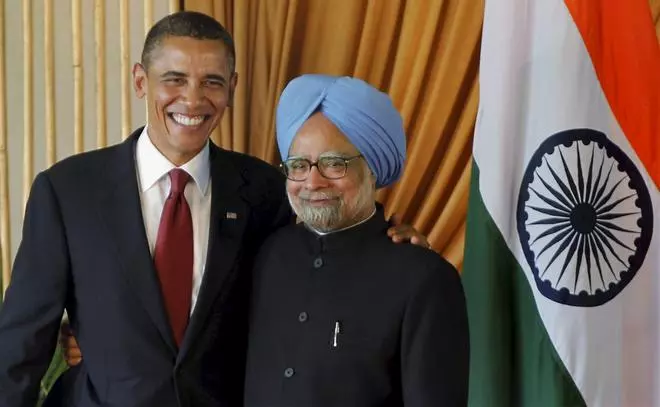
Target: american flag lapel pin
[{"x": 231, "y": 215}]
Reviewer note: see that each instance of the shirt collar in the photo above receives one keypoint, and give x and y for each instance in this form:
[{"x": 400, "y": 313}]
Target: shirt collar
[
  {"x": 349, "y": 239},
  {"x": 152, "y": 165},
  {"x": 342, "y": 229}
]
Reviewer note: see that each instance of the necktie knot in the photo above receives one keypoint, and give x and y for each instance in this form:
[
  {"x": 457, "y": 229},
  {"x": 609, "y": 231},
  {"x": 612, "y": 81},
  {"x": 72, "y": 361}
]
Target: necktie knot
[{"x": 178, "y": 178}]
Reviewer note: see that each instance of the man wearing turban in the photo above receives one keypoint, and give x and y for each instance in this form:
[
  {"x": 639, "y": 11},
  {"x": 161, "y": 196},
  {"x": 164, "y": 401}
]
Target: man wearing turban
[{"x": 341, "y": 316}]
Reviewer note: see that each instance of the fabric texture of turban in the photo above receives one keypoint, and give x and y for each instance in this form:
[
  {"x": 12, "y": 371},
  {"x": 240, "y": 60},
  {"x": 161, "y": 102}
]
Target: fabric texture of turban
[{"x": 365, "y": 115}]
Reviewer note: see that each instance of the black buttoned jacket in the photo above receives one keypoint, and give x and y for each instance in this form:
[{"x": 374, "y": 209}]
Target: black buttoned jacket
[{"x": 353, "y": 319}]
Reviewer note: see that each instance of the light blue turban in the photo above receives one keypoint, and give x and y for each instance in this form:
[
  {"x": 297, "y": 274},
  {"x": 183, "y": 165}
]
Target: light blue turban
[{"x": 364, "y": 114}]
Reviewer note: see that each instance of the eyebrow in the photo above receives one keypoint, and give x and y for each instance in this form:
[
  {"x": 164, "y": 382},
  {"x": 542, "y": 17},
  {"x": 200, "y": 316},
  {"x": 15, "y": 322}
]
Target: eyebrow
[{"x": 176, "y": 74}]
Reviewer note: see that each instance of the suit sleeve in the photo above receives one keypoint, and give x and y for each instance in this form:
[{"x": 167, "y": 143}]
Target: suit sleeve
[
  {"x": 283, "y": 214},
  {"x": 35, "y": 299},
  {"x": 435, "y": 342}
]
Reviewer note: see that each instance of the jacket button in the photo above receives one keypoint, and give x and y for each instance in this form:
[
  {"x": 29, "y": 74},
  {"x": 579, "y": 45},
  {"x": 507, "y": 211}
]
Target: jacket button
[
  {"x": 302, "y": 317},
  {"x": 288, "y": 372},
  {"x": 318, "y": 263}
]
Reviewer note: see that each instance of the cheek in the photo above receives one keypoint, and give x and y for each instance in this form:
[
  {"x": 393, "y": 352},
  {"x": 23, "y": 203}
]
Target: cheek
[
  {"x": 293, "y": 189},
  {"x": 163, "y": 96},
  {"x": 349, "y": 189},
  {"x": 219, "y": 99}
]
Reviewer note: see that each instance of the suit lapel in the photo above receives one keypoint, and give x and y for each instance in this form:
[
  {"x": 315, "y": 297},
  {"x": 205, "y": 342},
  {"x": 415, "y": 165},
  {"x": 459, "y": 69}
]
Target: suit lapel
[
  {"x": 122, "y": 212},
  {"x": 229, "y": 217}
]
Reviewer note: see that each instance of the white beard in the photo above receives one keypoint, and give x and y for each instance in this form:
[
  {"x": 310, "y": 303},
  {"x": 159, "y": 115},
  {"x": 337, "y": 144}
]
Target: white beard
[{"x": 337, "y": 216}]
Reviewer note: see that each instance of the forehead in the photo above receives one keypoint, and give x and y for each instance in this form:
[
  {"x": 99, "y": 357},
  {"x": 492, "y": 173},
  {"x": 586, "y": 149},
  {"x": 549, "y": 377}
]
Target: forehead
[
  {"x": 318, "y": 135},
  {"x": 186, "y": 53}
]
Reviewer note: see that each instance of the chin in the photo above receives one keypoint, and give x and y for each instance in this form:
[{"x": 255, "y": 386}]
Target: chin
[
  {"x": 190, "y": 135},
  {"x": 323, "y": 219},
  {"x": 188, "y": 142},
  {"x": 191, "y": 139}
]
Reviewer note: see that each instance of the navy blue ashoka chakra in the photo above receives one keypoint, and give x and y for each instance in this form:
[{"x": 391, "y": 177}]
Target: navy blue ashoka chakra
[{"x": 585, "y": 218}]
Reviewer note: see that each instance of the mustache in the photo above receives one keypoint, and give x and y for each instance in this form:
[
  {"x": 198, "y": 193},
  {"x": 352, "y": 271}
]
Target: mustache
[{"x": 312, "y": 196}]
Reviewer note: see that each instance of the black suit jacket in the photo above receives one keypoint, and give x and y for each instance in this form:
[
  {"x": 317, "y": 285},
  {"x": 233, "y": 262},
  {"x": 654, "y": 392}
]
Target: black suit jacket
[{"x": 84, "y": 249}]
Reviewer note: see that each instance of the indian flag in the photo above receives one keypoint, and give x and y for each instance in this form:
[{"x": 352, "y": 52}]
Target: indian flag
[{"x": 562, "y": 260}]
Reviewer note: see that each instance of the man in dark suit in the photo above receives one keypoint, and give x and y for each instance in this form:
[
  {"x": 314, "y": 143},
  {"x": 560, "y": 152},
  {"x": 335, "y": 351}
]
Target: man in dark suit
[{"x": 145, "y": 244}]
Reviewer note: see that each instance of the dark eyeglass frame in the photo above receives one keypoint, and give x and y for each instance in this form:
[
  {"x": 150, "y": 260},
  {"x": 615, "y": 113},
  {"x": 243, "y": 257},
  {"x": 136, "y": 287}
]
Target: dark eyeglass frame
[{"x": 345, "y": 160}]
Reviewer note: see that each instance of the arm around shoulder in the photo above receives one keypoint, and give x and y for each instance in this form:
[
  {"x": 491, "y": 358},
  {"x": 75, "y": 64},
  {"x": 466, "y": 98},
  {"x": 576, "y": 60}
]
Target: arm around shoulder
[
  {"x": 435, "y": 341},
  {"x": 34, "y": 302}
]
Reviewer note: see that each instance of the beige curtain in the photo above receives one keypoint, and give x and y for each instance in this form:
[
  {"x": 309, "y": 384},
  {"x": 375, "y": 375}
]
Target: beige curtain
[{"x": 424, "y": 53}]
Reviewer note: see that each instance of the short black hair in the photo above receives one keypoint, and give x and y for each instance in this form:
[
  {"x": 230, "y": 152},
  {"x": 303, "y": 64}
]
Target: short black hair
[{"x": 187, "y": 24}]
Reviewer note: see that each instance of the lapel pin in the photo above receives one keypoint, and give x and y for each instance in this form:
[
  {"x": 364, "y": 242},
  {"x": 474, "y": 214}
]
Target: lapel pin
[{"x": 231, "y": 215}]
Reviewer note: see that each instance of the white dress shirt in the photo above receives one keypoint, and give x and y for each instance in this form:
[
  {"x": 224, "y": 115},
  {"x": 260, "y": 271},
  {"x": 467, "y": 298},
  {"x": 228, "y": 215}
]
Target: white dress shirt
[{"x": 154, "y": 184}]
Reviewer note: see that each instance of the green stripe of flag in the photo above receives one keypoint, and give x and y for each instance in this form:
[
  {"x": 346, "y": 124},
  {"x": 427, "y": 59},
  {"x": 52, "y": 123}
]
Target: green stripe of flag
[{"x": 513, "y": 361}]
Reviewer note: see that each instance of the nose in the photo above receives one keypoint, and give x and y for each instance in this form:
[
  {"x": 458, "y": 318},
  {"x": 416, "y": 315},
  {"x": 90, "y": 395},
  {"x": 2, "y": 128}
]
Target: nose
[
  {"x": 194, "y": 93},
  {"x": 315, "y": 180}
]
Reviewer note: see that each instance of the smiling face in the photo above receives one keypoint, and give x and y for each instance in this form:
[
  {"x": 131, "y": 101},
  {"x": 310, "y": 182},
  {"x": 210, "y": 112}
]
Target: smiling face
[
  {"x": 188, "y": 85},
  {"x": 329, "y": 204}
]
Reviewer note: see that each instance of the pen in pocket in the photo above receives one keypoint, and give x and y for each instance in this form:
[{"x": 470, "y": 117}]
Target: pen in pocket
[{"x": 336, "y": 333}]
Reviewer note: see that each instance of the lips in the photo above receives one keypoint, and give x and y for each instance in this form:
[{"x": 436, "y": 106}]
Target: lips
[
  {"x": 188, "y": 120},
  {"x": 319, "y": 200},
  {"x": 318, "y": 197}
]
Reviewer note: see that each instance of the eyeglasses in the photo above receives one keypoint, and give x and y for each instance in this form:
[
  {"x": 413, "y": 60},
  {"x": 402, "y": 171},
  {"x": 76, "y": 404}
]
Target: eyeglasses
[{"x": 297, "y": 169}]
